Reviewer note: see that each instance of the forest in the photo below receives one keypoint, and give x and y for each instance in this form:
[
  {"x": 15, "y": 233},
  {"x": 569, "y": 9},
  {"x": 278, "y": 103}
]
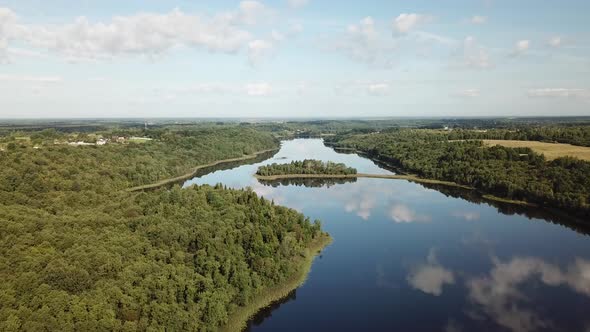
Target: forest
[
  {"x": 80, "y": 253},
  {"x": 307, "y": 166},
  {"x": 575, "y": 135},
  {"x": 511, "y": 173}
]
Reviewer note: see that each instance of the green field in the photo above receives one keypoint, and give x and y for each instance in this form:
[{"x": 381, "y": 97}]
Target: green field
[{"x": 550, "y": 150}]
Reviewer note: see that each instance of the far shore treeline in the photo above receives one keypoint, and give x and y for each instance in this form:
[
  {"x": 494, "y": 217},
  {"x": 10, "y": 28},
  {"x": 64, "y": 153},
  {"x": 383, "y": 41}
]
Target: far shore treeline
[{"x": 512, "y": 173}]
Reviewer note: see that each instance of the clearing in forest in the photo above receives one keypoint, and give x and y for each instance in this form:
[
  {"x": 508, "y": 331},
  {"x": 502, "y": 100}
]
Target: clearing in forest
[{"x": 550, "y": 150}]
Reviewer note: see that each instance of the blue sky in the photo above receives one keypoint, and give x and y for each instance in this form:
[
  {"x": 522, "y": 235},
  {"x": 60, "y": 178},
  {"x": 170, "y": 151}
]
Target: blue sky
[{"x": 293, "y": 58}]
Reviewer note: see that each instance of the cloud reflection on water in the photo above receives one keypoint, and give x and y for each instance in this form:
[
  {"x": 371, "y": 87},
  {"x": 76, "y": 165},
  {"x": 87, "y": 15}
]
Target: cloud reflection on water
[
  {"x": 430, "y": 277},
  {"x": 498, "y": 296}
]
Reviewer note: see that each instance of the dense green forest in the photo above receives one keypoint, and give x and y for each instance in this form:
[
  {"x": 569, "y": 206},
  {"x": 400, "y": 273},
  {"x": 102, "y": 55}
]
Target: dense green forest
[
  {"x": 80, "y": 253},
  {"x": 513, "y": 173},
  {"x": 307, "y": 166},
  {"x": 575, "y": 135}
]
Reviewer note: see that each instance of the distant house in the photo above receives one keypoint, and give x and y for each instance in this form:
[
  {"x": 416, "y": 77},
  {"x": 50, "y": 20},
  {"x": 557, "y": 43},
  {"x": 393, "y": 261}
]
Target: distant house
[{"x": 101, "y": 141}]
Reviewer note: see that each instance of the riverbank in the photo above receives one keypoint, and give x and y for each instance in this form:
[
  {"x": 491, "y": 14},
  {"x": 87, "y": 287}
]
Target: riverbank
[
  {"x": 239, "y": 318},
  {"x": 196, "y": 169},
  {"x": 407, "y": 177},
  {"x": 509, "y": 201}
]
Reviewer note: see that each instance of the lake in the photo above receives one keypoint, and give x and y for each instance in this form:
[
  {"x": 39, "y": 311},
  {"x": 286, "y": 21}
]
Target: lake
[{"x": 406, "y": 257}]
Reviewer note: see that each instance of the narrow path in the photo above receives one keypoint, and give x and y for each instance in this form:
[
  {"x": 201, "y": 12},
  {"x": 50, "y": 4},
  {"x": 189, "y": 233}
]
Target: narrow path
[{"x": 194, "y": 170}]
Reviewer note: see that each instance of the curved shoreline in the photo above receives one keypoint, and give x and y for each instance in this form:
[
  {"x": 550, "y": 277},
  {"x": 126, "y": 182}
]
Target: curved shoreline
[
  {"x": 407, "y": 177},
  {"x": 196, "y": 169},
  {"x": 238, "y": 319}
]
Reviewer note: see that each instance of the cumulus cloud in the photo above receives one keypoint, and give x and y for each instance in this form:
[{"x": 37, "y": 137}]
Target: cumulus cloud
[
  {"x": 258, "y": 89},
  {"x": 367, "y": 88},
  {"x": 7, "y": 30},
  {"x": 295, "y": 29},
  {"x": 477, "y": 19},
  {"x": 559, "y": 93},
  {"x": 362, "y": 207},
  {"x": 500, "y": 299},
  {"x": 521, "y": 47},
  {"x": 430, "y": 277},
  {"x": 147, "y": 34},
  {"x": 467, "y": 93},
  {"x": 404, "y": 23},
  {"x": 401, "y": 213},
  {"x": 362, "y": 42},
  {"x": 473, "y": 55},
  {"x": 466, "y": 215},
  {"x": 297, "y": 3},
  {"x": 379, "y": 89},
  {"x": 258, "y": 50},
  {"x": 250, "y": 12}
]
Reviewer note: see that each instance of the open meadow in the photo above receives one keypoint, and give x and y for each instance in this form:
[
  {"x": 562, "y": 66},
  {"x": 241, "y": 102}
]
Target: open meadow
[{"x": 550, "y": 150}]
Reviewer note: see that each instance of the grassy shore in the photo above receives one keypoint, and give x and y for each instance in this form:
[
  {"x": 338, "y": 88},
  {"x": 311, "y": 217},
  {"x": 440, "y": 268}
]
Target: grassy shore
[
  {"x": 407, "y": 177},
  {"x": 509, "y": 201},
  {"x": 239, "y": 318},
  {"x": 194, "y": 170}
]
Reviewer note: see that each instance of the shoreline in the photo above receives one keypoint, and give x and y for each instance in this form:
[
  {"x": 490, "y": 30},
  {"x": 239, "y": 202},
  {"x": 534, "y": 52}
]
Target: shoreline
[
  {"x": 238, "y": 319},
  {"x": 489, "y": 197},
  {"x": 196, "y": 169},
  {"x": 406, "y": 177}
]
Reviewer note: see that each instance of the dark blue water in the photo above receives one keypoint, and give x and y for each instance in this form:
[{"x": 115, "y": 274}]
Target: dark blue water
[{"x": 410, "y": 258}]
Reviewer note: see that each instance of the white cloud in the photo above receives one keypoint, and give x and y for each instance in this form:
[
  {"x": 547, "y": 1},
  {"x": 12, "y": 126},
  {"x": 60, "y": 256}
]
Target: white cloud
[
  {"x": 379, "y": 89},
  {"x": 467, "y": 93},
  {"x": 32, "y": 79},
  {"x": 362, "y": 42},
  {"x": 499, "y": 297},
  {"x": 559, "y": 93},
  {"x": 295, "y": 29},
  {"x": 477, "y": 19},
  {"x": 404, "y": 23},
  {"x": 7, "y": 26},
  {"x": 555, "y": 41},
  {"x": 212, "y": 88},
  {"x": 473, "y": 55},
  {"x": 466, "y": 215},
  {"x": 297, "y": 3},
  {"x": 362, "y": 207},
  {"x": 430, "y": 277},
  {"x": 366, "y": 88},
  {"x": 401, "y": 213},
  {"x": 521, "y": 47},
  {"x": 147, "y": 34},
  {"x": 258, "y": 50},
  {"x": 258, "y": 89},
  {"x": 250, "y": 12},
  {"x": 277, "y": 36}
]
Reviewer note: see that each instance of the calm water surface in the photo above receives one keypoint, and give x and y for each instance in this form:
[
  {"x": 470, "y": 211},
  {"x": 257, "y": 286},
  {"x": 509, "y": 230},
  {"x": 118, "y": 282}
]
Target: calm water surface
[{"x": 409, "y": 258}]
